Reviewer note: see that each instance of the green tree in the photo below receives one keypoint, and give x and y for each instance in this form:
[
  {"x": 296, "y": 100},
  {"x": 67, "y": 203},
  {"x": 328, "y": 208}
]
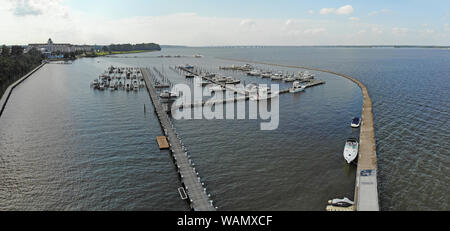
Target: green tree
[
  {"x": 16, "y": 50},
  {"x": 5, "y": 51}
]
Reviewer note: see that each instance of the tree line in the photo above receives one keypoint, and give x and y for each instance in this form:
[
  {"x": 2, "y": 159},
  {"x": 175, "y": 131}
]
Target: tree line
[
  {"x": 14, "y": 64},
  {"x": 133, "y": 47}
]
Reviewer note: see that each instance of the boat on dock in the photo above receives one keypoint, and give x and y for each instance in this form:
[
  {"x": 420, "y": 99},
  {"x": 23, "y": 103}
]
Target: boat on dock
[
  {"x": 297, "y": 87},
  {"x": 168, "y": 94},
  {"x": 216, "y": 88},
  {"x": 276, "y": 76},
  {"x": 345, "y": 202},
  {"x": 230, "y": 80},
  {"x": 356, "y": 122},
  {"x": 351, "y": 150},
  {"x": 254, "y": 73}
]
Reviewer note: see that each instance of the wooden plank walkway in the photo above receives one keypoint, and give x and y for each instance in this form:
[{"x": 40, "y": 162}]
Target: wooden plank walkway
[
  {"x": 366, "y": 187},
  {"x": 198, "y": 199}
]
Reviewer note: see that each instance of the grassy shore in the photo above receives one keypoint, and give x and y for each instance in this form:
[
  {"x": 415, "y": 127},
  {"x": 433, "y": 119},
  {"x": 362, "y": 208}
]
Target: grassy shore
[{"x": 105, "y": 53}]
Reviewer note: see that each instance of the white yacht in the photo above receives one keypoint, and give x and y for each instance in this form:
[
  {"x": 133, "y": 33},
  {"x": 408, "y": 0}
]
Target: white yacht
[
  {"x": 351, "y": 150},
  {"x": 297, "y": 87}
]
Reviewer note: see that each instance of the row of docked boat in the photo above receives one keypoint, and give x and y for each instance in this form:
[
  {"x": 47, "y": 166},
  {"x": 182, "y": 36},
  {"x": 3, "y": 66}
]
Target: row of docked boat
[
  {"x": 115, "y": 78},
  {"x": 351, "y": 148},
  {"x": 351, "y": 152},
  {"x": 281, "y": 76},
  {"x": 273, "y": 75}
]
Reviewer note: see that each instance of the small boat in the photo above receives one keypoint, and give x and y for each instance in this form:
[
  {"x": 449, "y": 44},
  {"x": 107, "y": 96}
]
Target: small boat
[
  {"x": 266, "y": 75},
  {"x": 187, "y": 66},
  {"x": 168, "y": 95},
  {"x": 101, "y": 86},
  {"x": 297, "y": 87},
  {"x": 217, "y": 88},
  {"x": 356, "y": 122},
  {"x": 341, "y": 202},
  {"x": 277, "y": 76},
  {"x": 289, "y": 79},
  {"x": 254, "y": 73},
  {"x": 230, "y": 80},
  {"x": 351, "y": 150}
]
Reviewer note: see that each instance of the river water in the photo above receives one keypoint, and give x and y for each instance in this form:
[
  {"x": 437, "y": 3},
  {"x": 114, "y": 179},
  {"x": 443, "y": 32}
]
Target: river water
[{"x": 65, "y": 146}]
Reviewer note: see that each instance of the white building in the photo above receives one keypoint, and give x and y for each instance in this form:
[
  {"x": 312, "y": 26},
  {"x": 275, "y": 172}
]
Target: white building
[{"x": 61, "y": 47}]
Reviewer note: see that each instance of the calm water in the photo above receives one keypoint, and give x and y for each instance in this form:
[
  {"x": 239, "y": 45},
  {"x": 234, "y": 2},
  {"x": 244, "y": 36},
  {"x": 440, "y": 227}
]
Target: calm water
[{"x": 65, "y": 146}]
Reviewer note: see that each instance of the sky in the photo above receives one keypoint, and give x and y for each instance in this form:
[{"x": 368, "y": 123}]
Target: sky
[{"x": 226, "y": 23}]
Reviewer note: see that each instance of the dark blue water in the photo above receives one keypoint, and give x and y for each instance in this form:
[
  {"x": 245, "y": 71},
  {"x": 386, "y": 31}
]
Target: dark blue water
[{"x": 68, "y": 147}]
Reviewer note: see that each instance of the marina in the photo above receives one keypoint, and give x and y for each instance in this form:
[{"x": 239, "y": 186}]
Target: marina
[
  {"x": 366, "y": 187},
  {"x": 232, "y": 186}
]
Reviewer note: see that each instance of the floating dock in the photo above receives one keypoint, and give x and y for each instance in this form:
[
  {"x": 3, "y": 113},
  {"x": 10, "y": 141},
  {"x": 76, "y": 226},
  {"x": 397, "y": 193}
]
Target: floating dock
[
  {"x": 162, "y": 142},
  {"x": 192, "y": 185},
  {"x": 366, "y": 187}
]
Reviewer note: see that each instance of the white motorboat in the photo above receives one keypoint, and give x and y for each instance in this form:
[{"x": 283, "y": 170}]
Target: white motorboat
[
  {"x": 254, "y": 73},
  {"x": 230, "y": 80},
  {"x": 168, "y": 95},
  {"x": 266, "y": 75},
  {"x": 351, "y": 150},
  {"x": 217, "y": 88},
  {"x": 356, "y": 122},
  {"x": 297, "y": 87},
  {"x": 345, "y": 202},
  {"x": 289, "y": 79},
  {"x": 276, "y": 76},
  {"x": 94, "y": 83}
]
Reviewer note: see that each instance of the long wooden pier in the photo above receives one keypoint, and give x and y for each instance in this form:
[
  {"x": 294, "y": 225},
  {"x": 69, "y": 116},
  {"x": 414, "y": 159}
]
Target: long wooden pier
[
  {"x": 196, "y": 193},
  {"x": 366, "y": 187}
]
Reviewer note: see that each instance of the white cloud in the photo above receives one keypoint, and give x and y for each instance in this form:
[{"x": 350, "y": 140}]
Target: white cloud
[
  {"x": 65, "y": 25},
  {"x": 311, "y": 11},
  {"x": 327, "y": 11},
  {"x": 353, "y": 19},
  {"x": 345, "y": 10},
  {"x": 373, "y": 13}
]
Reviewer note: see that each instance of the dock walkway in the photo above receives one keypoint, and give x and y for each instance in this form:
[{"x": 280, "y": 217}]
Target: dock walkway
[
  {"x": 366, "y": 187},
  {"x": 199, "y": 200}
]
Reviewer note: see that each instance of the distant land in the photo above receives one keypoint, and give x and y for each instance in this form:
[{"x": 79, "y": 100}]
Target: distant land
[
  {"x": 333, "y": 46},
  {"x": 173, "y": 46}
]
